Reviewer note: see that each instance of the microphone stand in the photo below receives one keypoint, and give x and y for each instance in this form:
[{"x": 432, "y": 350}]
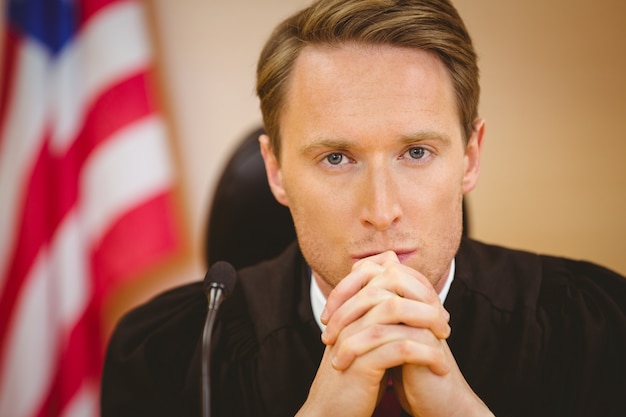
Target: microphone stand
[
  {"x": 215, "y": 295},
  {"x": 218, "y": 284}
]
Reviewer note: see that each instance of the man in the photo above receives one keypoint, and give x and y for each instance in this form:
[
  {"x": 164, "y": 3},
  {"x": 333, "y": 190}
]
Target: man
[{"x": 373, "y": 139}]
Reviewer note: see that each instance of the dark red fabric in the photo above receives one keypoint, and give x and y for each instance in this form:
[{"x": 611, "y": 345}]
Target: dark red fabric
[{"x": 389, "y": 405}]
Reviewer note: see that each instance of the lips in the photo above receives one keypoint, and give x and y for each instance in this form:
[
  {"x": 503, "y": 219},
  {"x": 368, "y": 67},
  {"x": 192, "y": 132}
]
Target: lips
[{"x": 403, "y": 254}]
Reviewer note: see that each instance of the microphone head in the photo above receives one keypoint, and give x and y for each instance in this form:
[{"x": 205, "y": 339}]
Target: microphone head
[{"x": 223, "y": 275}]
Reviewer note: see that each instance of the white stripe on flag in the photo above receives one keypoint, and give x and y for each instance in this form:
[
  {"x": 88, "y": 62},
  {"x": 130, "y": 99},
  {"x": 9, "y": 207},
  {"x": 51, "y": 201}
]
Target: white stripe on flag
[
  {"x": 132, "y": 166},
  {"x": 21, "y": 141},
  {"x": 69, "y": 255},
  {"x": 111, "y": 46},
  {"x": 26, "y": 373},
  {"x": 123, "y": 171},
  {"x": 54, "y": 298},
  {"x": 28, "y": 110}
]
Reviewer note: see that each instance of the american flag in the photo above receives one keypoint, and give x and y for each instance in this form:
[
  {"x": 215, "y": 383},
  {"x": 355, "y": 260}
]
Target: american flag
[{"x": 86, "y": 187}]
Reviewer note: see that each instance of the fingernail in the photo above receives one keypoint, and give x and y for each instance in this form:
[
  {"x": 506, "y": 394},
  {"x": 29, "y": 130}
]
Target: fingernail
[{"x": 324, "y": 316}]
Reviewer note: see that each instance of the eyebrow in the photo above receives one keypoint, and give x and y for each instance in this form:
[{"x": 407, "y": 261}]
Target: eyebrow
[
  {"x": 425, "y": 135},
  {"x": 325, "y": 143},
  {"x": 344, "y": 144}
]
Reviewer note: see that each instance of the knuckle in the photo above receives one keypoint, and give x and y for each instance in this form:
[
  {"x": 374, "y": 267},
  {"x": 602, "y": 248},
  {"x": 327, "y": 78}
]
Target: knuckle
[
  {"x": 405, "y": 348},
  {"x": 367, "y": 264},
  {"x": 396, "y": 306},
  {"x": 346, "y": 350},
  {"x": 393, "y": 272},
  {"x": 371, "y": 293},
  {"x": 431, "y": 297},
  {"x": 376, "y": 332}
]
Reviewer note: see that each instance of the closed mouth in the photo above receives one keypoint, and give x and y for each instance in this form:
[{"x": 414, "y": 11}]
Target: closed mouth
[{"x": 400, "y": 253}]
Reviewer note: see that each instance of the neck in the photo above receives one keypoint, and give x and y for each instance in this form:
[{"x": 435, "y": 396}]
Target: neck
[{"x": 442, "y": 281}]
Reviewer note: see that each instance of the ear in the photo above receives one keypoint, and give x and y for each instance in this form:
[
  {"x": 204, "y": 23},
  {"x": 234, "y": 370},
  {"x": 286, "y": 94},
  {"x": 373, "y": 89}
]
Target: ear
[
  {"x": 472, "y": 157},
  {"x": 273, "y": 171}
]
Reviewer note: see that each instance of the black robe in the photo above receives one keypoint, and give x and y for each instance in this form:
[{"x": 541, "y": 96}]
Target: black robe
[{"x": 533, "y": 336}]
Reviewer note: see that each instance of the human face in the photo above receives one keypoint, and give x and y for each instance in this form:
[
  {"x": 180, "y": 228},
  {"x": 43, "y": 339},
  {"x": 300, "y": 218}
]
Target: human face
[{"x": 373, "y": 159}]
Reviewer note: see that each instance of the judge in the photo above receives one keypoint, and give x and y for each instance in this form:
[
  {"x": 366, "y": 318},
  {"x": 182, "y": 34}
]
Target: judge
[{"x": 373, "y": 139}]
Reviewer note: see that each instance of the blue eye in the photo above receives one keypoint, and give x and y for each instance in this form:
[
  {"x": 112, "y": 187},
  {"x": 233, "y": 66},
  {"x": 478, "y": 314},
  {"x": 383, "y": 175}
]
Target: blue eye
[
  {"x": 417, "y": 153},
  {"x": 334, "y": 158}
]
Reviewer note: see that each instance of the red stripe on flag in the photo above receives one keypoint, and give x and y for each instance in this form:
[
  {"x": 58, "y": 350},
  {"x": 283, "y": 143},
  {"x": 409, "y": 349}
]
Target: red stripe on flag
[
  {"x": 11, "y": 46},
  {"x": 133, "y": 243},
  {"x": 88, "y": 8},
  {"x": 130, "y": 245},
  {"x": 116, "y": 108},
  {"x": 53, "y": 186},
  {"x": 49, "y": 189},
  {"x": 78, "y": 362},
  {"x": 32, "y": 230}
]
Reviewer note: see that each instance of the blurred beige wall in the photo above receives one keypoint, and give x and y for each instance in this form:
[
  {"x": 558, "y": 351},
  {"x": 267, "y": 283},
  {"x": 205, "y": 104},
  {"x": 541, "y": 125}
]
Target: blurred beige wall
[{"x": 554, "y": 96}]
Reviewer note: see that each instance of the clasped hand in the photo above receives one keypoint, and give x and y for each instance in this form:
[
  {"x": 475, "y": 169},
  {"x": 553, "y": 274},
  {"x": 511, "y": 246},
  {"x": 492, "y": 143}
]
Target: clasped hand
[{"x": 385, "y": 318}]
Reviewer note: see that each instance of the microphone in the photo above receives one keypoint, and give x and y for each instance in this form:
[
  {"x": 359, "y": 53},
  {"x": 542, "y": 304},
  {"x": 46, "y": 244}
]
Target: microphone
[{"x": 218, "y": 284}]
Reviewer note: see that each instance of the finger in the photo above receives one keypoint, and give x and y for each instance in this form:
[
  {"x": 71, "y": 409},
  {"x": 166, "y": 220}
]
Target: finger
[
  {"x": 389, "y": 260},
  {"x": 392, "y": 310},
  {"x": 375, "y": 306},
  {"x": 406, "y": 282},
  {"x": 397, "y": 310},
  {"x": 380, "y": 258},
  {"x": 392, "y": 280},
  {"x": 350, "y": 285},
  {"x": 388, "y": 346},
  {"x": 368, "y": 269},
  {"x": 353, "y": 309},
  {"x": 412, "y": 285}
]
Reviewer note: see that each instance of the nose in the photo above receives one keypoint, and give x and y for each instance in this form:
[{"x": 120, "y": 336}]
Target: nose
[{"x": 381, "y": 206}]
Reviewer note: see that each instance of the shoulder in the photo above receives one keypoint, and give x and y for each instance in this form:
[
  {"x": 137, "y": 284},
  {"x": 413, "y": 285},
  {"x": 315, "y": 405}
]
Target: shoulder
[
  {"x": 178, "y": 314},
  {"x": 553, "y": 328},
  {"x": 266, "y": 332},
  {"x": 177, "y": 310},
  {"x": 183, "y": 308},
  {"x": 151, "y": 364},
  {"x": 514, "y": 279},
  {"x": 269, "y": 292},
  {"x": 149, "y": 352}
]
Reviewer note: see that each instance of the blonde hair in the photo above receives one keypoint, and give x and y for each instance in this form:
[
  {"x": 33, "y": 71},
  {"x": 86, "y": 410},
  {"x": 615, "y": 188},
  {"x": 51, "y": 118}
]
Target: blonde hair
[{"x": 431, "y": 25}]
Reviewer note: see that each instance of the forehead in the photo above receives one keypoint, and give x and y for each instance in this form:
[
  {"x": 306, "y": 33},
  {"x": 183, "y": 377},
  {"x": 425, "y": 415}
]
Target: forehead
[
  {"x": 366, "y": 63},
  {"x": 335, "y": 89}
]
